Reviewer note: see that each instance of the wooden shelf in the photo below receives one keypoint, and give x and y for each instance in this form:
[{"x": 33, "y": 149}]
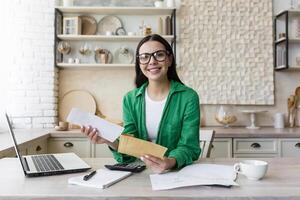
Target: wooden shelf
[
  {"x": 118, "y": 10},
  {"x": 107, "y": 38},
  {"x": 91, "y": 66}
]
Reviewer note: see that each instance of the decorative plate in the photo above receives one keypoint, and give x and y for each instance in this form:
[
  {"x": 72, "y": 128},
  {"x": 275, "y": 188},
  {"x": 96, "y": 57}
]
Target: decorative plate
[
  {"x": 88, "y": 25},
  {"x": 109, "y": 23},
  {"x": 124, "y": 55}
]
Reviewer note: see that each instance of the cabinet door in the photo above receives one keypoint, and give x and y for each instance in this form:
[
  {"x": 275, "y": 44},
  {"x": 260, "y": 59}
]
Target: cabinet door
[
  {"x": 255, "y": 147},
  {"x": 290, "y": 147},
  {"x": 79, "y": 146},
  {"x": 101, "y": 151},
  {"x": 222, "y": 148},
  {"x": 37, "y": 147}
]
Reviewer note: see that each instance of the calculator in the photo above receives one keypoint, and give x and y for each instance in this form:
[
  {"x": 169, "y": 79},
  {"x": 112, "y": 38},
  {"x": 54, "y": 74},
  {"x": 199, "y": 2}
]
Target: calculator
[{"x": 130, "y": 167}]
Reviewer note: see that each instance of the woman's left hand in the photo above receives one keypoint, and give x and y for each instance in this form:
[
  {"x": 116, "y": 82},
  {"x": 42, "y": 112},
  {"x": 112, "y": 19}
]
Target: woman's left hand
[{"x": 158, "y": 165}]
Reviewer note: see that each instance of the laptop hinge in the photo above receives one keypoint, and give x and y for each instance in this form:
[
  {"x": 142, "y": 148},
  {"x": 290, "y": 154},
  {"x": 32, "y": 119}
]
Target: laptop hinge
[{"x": 26, "y": 164}]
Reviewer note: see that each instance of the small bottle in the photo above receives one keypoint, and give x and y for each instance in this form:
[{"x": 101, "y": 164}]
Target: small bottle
[{"x": 160, "y": 26}]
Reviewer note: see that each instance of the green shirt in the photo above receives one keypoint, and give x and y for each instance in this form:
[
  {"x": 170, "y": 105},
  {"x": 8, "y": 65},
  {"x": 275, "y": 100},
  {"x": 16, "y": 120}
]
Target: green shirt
[{"x": 179, "y": 126}]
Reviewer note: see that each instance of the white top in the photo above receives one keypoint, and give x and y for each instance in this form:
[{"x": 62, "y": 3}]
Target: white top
[{"x": 154, "y": 110}]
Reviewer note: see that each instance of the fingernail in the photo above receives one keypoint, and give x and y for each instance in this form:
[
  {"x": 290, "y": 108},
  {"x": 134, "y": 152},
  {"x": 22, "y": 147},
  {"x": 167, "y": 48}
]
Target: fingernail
[
  {"x": 142, "y": 158},
  {"x": 146, "y": 156},
  {"x": 94, "y": 130}
]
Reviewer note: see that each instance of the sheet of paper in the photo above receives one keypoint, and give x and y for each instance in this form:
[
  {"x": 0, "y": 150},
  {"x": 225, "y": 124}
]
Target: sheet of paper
[
  {"x": 108, "y": 130},
  {"x": 102, "y": 179},
  {"x": 136, "y": 147},
  {"x": 196, "y": 174}
]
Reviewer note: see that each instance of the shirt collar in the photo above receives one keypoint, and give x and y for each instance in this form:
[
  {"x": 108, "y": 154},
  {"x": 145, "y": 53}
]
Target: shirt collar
[{"x": 175, "y": 87}]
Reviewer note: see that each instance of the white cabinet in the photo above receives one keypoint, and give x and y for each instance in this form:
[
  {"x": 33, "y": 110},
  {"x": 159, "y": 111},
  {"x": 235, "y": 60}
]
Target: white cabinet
[
  {"x": 37, "y": 147},
  {"x": 255, "y": 147},
  {"x": 79, "y": 146},
  {"x": 101, "y": 151},
  {"x": 221, "y": 148},
  {"x": 290, "y": 147}
]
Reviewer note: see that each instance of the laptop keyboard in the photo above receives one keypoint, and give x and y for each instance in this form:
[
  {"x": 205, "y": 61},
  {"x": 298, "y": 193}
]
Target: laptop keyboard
[{"x": 46, "y": 163}]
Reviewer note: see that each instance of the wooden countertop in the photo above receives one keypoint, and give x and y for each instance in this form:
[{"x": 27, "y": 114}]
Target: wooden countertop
[{"x": 281, "y": 182}]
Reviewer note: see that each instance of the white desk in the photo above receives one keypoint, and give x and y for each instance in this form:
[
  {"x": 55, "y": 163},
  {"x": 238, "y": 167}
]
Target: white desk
[{"x": 281, "y": 182}]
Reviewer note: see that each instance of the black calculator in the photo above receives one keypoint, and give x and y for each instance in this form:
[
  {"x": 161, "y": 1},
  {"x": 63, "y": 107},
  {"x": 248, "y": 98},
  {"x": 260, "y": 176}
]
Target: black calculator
[{"x": 130, "y": 167}]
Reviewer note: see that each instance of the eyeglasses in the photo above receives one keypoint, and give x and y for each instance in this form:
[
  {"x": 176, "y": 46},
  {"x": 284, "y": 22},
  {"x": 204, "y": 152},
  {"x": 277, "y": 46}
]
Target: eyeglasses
[{"x": 159, "y": 56}]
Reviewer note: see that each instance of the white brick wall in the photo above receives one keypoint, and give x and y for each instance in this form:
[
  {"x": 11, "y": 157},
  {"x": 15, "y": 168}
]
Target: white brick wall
[{"x": 33, "y": 88}]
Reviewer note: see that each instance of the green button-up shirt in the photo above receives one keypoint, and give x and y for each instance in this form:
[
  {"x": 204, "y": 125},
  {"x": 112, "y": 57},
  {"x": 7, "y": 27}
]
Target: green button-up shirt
[{"x": 179, "y": 126}]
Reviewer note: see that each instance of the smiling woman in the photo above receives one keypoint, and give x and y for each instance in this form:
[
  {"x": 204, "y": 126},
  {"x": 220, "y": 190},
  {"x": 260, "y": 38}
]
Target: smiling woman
[{"x": 161, "y": 109}]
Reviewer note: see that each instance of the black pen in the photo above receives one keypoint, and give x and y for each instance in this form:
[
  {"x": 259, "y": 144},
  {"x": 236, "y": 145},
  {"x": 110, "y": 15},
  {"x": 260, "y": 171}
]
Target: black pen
[{"x": 90, "y": 175}]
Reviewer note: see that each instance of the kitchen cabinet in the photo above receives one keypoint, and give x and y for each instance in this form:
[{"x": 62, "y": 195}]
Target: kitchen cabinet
[
  {"x": 110, "y": 42},
  {"x": 101, "y": 151},
  {"x": 290, "y": 147},
  {"x": 287, "y": 40},
  {"x": 80, "y": 146},
  {"x": 221, "y": 148}
]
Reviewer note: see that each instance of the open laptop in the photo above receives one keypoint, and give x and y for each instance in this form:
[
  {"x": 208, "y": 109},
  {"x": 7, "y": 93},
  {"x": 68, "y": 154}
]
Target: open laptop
[{"x": 48, "y": 164}]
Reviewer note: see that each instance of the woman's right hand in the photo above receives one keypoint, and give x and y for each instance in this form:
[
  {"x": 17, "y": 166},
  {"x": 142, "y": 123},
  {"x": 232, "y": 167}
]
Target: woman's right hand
[{"x": 92, "y": 134}]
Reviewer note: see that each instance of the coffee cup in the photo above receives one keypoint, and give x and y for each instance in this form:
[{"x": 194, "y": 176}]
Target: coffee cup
[
  {"x": 64, "y": 126},
  {"x": 278, "y": 120},
  {"x": 252, "y": 169}
]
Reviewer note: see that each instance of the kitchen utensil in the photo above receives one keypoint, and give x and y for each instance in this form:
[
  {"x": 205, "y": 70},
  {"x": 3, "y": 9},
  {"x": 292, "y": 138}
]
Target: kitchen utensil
[
  {"x": 76, "y": 99},
  {"x": 88, "y": 25},
  {"x": 109, "y": 23},
  {"x": 103, "y": 56}
]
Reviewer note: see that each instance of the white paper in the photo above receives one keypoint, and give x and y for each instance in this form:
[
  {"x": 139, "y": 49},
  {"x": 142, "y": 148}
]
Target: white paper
[
  {"x": 107, "y": 130},
  {"x": 102, "y": 179},
  {"x": 196, "y": 174}
]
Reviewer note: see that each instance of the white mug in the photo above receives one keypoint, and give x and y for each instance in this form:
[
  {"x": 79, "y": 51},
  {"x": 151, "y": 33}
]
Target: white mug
[
  {"x": 252, "y": 169},
  {"x": 278, "y": 120}
]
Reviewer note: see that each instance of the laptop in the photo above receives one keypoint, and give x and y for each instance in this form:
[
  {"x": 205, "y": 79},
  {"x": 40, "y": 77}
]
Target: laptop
[{"x": 48, "y": 164}]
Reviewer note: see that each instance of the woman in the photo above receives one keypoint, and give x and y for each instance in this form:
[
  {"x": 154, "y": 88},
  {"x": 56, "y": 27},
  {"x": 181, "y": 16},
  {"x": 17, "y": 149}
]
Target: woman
[{"x": 161, "y": 109}]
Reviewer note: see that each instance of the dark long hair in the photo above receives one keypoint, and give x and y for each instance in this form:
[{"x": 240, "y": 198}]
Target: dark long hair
[{"x": 140, "y": 78}]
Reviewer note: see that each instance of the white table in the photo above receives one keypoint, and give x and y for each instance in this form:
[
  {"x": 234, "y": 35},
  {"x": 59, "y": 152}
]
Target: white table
[{"x": 281, "y": 182}]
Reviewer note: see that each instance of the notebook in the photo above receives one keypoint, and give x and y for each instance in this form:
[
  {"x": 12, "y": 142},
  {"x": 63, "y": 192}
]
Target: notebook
[{"x": 102, "y": 179}]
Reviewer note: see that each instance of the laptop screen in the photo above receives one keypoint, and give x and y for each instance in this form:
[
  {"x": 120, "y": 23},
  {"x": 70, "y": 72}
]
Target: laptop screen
[{"x": 23, "y": 162}]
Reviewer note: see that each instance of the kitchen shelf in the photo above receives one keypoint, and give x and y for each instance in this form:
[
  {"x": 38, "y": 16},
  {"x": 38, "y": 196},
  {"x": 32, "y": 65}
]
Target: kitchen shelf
[
  {"x": 139, "y": 12},
  {"x": 107, "y": 38},
  {"x": 118, "y": 10},
  {"x": 91, "y": 66}
]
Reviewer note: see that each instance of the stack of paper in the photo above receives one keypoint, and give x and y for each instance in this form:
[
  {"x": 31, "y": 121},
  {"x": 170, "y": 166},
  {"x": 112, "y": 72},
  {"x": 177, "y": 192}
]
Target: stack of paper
[
  {"x": 102, "y": 179},
  {"x": 196, "y": 174}
]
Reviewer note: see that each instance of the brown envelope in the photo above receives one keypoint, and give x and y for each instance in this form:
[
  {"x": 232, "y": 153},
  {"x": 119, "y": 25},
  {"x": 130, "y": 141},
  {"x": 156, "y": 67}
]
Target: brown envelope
[{"x": 136, "y": 147}]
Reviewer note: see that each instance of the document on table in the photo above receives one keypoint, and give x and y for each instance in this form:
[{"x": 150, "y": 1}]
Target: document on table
[
  {"x": 195, "y": 174},
  {"x": 102, "y": 179},
  {"x": 108, "y": 130},
  {"x": 136, "y": 147}
]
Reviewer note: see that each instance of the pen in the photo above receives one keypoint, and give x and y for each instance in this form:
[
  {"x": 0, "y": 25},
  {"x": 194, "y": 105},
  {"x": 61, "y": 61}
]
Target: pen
[{"x": 90, "y": 175}]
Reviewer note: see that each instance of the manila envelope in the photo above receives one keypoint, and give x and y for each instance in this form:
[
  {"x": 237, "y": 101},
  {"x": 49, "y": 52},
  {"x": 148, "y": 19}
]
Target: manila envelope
[{"x": 136, "y": 147}]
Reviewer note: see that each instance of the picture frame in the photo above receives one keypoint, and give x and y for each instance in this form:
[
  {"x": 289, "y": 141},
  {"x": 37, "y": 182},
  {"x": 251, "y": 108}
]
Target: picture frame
[{"x": 72, "y": 26}]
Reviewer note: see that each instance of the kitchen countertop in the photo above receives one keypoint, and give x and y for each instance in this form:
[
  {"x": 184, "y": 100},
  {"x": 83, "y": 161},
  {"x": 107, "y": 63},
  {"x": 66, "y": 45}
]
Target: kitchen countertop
[
  {"x": 27, "y": 135},
  {"x": 281, "y": 182}
]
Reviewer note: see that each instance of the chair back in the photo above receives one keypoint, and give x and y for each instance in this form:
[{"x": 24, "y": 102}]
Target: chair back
[{"x": 206, "y": 139}]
